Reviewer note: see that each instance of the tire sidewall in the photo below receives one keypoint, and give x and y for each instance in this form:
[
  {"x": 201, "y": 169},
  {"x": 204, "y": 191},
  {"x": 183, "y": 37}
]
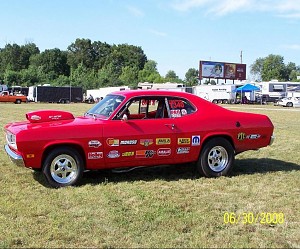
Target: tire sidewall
[
  {"x": 202, "y": 164},
  {"x": 52, "y": 155}
]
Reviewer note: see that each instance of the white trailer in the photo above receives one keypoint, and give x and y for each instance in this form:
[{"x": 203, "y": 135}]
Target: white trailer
[
  {"x": 102, "y": 92},
  {"x": 216, "y": 93},
  {"x": 274, "y": 89}
]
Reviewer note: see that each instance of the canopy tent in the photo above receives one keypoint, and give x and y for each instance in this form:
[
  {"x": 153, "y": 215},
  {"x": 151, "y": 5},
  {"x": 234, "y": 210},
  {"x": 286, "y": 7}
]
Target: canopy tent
[{"x": 247, "y": 88}]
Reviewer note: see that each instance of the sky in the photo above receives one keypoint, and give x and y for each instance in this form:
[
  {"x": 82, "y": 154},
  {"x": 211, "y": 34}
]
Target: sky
[{"x": 177, "y": 34}]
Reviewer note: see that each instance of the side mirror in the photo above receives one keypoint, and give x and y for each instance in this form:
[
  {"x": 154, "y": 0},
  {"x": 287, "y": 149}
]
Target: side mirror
[{"x": 124, "y": 117}]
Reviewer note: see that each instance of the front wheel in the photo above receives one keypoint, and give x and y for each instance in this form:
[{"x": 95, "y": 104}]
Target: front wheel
[
  {"x": 216, "y": 158},
  {"x": 63, "y": 167}
]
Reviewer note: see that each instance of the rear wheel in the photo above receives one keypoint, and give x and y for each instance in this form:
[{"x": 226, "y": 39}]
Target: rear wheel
[
  {"x": 216, "y": 158},
  {"x": 289, "y": 104},
  {"x": 63, "y": 167}
]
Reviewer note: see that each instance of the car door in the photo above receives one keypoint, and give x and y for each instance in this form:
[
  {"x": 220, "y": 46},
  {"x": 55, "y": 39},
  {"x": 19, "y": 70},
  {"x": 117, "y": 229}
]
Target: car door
[
  {"x": 143, "y": 138},
  {"x": 184, "y": 122}
]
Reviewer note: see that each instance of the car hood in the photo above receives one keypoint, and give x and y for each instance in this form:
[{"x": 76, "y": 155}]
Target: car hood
[{"x": 48, "y": 119}]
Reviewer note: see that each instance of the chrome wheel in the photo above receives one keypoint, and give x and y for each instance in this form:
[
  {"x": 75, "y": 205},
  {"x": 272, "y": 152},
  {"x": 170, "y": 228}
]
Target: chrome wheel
[
  {"x": 217, "y": 158},
  {"x": 64, "y": 169}
]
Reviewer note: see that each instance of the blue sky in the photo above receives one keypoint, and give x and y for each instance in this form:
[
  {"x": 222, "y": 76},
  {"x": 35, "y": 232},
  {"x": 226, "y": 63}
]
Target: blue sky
[{"x": 177, "y": 34}]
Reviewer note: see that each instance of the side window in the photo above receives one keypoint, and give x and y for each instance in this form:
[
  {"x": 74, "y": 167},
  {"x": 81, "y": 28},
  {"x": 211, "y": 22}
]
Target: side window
[
  {"x": 180, "y": 107},
  {"x": 146, "y": 108}
]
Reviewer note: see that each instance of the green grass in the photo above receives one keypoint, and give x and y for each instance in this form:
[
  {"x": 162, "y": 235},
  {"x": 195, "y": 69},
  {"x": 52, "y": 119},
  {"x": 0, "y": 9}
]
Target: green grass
[{"x": 157, "y": 207}]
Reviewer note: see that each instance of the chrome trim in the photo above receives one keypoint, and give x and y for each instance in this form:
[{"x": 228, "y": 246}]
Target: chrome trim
[
  {"x": 272, "y": 140},
  {"x": 14, "y": 157}
]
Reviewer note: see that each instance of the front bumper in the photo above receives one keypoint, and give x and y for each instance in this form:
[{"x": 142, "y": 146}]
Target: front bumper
[
  {"x": 14, "y": 157},
  {"x": 272, "y": 140}
]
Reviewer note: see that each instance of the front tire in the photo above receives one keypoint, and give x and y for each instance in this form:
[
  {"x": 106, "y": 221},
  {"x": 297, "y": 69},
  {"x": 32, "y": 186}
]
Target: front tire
[
  {"x": 63, "y": 167},
  {"x": 216, "y": 158}
]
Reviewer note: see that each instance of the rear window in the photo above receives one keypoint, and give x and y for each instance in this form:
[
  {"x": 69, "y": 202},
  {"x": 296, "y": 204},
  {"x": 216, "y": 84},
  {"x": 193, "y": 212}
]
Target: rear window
[{"x": 180, "y": 107}]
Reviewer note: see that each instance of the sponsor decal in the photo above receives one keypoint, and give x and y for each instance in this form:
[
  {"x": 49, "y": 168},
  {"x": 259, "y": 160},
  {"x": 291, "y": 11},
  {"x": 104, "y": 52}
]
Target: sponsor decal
[
  {"x": 160, "y": 141},
  {"x": 195, "y": 140},
  {"x": 94, "y": 143},
  {"x": 253, "y": 136},
  {"x": 183, "y": 140},
  {"x": 175, "y": 113},
  {"x": 241, "y": 136},
  {"x": 128, "y": 153},
  {"x": 183, "y": 112},
  {"x": 55, "y": 117},
  {"x": 146, "y": 142},
  {"x": 176, "y": 104},
  {"x": 113, "y": 154},
  {"x": 35, "y": 117},
  {"x": 95, "y": 155},
  {"x": 144, "y": 153},
  {"x": 164, "y": 152},
  {"x": 183, "y": 150},
  {"x": 128, "y": 142},
  {"x": 112, "y": 142}
]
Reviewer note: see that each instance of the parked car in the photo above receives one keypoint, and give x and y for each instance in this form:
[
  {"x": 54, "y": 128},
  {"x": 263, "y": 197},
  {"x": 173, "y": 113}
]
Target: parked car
[
  {"x": 289, "y": 102},
  {"x": 135, "y": 128}
]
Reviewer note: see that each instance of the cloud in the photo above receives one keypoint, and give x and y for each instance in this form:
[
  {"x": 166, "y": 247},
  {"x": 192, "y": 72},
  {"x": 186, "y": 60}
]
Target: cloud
[
  {"x": 158, "y": 33},
  {"x": 135, "y": 11},
  {"x": 292, "y": 46},
  {"x": 284, "y": 8}
]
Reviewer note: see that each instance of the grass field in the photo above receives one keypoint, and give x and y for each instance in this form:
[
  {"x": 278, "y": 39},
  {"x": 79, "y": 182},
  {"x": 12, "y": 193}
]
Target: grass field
[{"x": 159, "y": 207}]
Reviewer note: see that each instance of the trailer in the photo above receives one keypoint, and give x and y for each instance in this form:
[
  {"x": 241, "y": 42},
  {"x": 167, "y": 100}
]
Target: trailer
[
  {"x": 273, "y": 90},
  {"x": 55, "y": 94},
  {"x": 216, "y": 93},
  {"x": 100, "y": 93}
]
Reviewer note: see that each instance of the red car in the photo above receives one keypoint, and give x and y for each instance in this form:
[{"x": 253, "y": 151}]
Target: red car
[{"x": 135, "y": 128}]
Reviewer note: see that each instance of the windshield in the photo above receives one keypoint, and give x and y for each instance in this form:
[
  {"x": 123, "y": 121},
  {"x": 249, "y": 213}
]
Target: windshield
[{"x": 105, "y": 107}]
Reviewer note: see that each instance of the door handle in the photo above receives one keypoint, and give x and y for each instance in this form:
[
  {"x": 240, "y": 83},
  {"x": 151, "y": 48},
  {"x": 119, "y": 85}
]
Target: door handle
[{"x": 171, "y": 125}]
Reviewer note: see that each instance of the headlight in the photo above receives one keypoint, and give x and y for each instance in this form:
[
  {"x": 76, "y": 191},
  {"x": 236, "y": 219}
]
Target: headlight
[{"x": 11, "y": 140}]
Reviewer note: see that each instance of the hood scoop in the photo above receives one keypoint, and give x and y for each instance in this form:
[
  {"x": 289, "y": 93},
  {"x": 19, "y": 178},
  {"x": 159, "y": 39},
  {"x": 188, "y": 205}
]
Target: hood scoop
[{"x": 48, "y": 116}]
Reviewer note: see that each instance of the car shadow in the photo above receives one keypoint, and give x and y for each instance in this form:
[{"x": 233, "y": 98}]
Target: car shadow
[{"x": 177, "y": 172}]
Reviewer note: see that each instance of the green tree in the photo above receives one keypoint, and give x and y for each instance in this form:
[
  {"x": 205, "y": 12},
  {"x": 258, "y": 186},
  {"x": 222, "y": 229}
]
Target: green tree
[
  {"x": 150, "y": 73},
  {"x": 171, "y": 76},
  {"x": 133, "y": 56},
  {"x": 101, "y": 51},
  {"x": 272, "y": 67},
  {"x": 129, "y": 76},
  {"x": 15, "y": 57},
  {"x": 192, "y": 77},
  {"x": 291, "y": 72},
  {"x": 82, "y": 76},
  {"x": 256, "y": 68},
  {"x": 12, "y": 77},
  {"x": 52, "y": 62},
  {"x": 81, "y": 52}
]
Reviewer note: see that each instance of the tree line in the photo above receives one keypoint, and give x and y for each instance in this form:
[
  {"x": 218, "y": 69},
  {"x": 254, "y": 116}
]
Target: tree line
[
  {"x": 99, "y": 64},
  {"x": 85, "y": 63},
  {"x": 273, "y": 67}
]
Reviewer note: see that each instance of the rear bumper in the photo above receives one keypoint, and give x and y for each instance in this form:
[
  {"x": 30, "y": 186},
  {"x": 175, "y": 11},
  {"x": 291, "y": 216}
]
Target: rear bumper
[{"x": 14, "y": 157}]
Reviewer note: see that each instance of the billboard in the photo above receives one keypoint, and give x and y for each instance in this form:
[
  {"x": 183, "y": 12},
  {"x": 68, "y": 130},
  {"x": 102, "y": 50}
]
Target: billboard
[{"x": 222, "y": 70}]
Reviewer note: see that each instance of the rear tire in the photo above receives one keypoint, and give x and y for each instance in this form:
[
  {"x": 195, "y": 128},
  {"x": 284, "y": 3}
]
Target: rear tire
[
  {"x": 216, "y": 158},
  {"x": 63, "y": 167}
]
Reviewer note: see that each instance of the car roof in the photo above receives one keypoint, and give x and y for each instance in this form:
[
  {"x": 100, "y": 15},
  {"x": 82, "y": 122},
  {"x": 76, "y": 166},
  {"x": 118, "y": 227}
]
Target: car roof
[{"x": 133, "y": 93}]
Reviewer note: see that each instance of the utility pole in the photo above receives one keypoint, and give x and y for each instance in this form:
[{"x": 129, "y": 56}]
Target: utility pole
[{"x": 241, "y": 57}]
